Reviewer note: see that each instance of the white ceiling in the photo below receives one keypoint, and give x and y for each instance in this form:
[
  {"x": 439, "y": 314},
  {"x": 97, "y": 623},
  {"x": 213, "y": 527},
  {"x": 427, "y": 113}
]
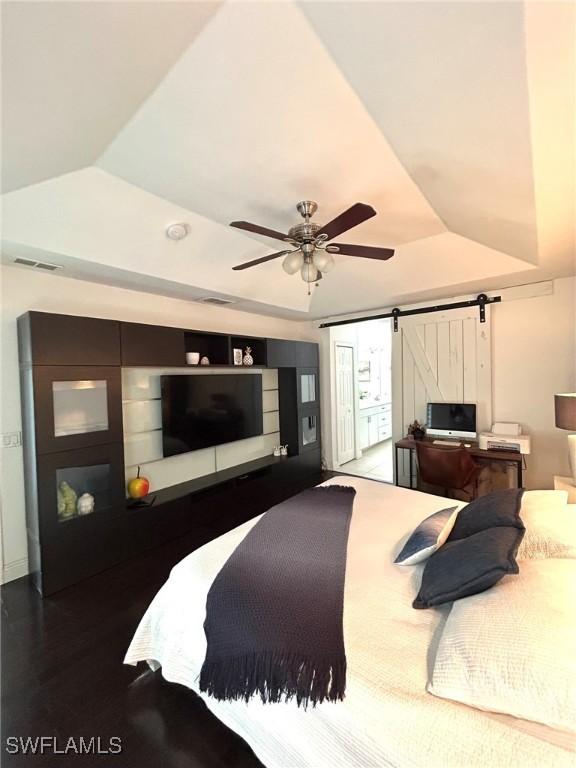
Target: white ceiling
[{"x": 454, "y": 120}]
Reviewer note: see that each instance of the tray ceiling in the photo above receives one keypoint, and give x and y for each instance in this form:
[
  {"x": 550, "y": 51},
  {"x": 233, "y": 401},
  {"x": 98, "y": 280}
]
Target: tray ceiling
[{"x": 121, "y": 118}]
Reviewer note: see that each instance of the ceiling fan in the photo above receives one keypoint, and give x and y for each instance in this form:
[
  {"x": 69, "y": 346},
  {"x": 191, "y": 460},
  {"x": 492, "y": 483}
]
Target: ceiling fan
[{"x": 311, "y": 254}]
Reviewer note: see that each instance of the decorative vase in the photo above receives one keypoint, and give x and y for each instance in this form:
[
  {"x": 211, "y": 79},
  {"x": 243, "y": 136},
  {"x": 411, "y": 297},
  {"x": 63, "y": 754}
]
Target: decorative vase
[
  {"x": 248, "y": 359},
  {"x": 85, "y": 504}
]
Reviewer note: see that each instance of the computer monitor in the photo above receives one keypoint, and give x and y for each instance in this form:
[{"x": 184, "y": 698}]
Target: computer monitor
[{"x": 451, "y": 420}]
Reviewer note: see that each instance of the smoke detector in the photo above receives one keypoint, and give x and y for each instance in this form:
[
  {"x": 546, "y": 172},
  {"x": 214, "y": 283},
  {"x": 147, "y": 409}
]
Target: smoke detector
[{"x": 177, "y": 231}]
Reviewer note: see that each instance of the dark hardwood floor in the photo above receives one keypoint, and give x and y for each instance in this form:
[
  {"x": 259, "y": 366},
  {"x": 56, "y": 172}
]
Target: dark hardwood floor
[{"x": 62, "y": 676}]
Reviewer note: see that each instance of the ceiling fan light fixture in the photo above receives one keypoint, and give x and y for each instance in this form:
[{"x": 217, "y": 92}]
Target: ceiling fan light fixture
[
  {"x": 312, "y": 253},
  {"x": 293, "y": 262},
  {"x": 323, "y": 261},
  {"x": 309, "y": 272}
]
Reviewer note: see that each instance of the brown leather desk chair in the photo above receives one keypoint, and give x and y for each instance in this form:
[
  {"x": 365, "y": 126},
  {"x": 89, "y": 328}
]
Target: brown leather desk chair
[{"x": 453, "y": 469}]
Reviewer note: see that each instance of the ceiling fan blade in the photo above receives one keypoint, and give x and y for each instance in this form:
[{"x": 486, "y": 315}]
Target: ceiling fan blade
[
  {"x": 355, "y": 215},
  {"x": 258, "y": 230},
  {"x": 365, "y": 251},
  {"x": 261, "y": 260}
]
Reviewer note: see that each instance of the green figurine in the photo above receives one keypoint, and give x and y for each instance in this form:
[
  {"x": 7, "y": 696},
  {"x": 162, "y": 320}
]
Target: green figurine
[
  {"x": 61, "y": 504},
  {"x": 69, "y": 497}
]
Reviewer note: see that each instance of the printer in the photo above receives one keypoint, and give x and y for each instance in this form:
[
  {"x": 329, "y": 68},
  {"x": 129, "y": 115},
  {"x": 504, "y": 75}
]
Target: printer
[{"x": 505, "y": 437}]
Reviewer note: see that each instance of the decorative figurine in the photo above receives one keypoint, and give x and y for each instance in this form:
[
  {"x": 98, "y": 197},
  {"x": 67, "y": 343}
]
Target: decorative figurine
[
  {"x": 69, "y": 497},
  {"x": 204, "y": 361},
  {"x": 85, "y": 504},
  {"x": 284, "y": 450},
  {"x": 62, "y": 503},
  {"x": 417, "y": 430},
  {"x": 138, "y": 486},
  {"x": 248, "y": 359},
  {"x": 277, "y": 450}
]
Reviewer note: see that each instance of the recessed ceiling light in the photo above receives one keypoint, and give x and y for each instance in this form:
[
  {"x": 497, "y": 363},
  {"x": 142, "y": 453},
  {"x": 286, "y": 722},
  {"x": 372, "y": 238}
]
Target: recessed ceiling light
[{"x": 177, "y": 231}]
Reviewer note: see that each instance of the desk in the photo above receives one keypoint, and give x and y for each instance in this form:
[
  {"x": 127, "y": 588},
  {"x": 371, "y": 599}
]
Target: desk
[{"x": 509, "y": 457}]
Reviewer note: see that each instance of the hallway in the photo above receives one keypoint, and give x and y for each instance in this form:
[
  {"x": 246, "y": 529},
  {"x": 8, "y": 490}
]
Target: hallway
[{"x": 376, "y": 463}]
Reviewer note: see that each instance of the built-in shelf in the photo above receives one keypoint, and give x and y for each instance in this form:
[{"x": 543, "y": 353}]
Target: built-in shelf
[
  {"x": 76, "y": 445},
  {"x": 142, "y": 431},
  {"x": 239, "y": 472},
  {"x": 235, "y": 367},
  {"x": 214, "y": 346},
  {"x": 257, "y": 348}
]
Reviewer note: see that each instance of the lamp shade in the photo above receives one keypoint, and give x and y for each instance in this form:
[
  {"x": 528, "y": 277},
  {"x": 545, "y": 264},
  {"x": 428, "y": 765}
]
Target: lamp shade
[{"x": 565, "y": 410}]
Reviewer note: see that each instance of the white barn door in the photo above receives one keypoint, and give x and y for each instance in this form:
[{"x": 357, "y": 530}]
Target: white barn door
[
  {"x": 440, "y": 357},
  {"x": 345, "y": 395}
]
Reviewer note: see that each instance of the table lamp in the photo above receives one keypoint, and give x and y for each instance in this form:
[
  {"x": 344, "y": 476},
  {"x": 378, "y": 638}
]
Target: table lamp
[{"x": 565, "y": 410}]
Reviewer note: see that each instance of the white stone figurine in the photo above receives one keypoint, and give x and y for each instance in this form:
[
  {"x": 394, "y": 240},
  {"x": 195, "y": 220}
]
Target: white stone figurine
[
  {"x": 248, "y": 359},
  {"x": 85, "y": 504}
]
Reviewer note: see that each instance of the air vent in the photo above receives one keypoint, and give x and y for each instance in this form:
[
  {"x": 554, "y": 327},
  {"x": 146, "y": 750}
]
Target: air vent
[
  {"x": 26, "y": 262},
  {"x": 215, "y": 300},
  {"x": 38, "y": 264}
]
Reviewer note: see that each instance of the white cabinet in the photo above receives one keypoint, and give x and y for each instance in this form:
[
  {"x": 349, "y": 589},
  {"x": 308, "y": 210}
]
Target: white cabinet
[
  {"x": 375, "y": 425},
  {"x": 372, "y": 429},
  {"x": 364, "y": 432}
]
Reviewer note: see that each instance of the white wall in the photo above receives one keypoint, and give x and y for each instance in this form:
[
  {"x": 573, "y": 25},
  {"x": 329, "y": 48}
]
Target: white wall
[
  {"x": 533, "y": 357},
  {"x": 26, "y": 289}
]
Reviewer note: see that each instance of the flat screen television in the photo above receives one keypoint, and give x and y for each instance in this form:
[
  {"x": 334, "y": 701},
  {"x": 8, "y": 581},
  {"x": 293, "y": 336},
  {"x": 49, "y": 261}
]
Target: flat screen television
[
  {"x": 200, "y": 411},
  {"x": 451, "y": 419}
]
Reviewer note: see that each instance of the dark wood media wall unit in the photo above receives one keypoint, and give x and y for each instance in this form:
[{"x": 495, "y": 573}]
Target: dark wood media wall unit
[{"x": 70, "y": 367}]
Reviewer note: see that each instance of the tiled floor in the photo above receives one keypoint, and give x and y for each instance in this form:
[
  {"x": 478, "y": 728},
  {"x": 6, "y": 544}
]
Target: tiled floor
[{"x": 376, "y": 463}]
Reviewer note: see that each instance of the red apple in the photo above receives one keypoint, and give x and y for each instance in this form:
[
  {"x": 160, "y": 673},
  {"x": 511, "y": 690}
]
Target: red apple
[{"x": 138, "y": 486}]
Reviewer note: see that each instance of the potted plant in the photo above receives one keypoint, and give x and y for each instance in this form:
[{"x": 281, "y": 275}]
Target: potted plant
[{"x": 417, "y": 430}]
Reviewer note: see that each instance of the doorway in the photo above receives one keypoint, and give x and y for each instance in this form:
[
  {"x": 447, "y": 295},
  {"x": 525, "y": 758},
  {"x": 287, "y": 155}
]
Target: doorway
[{"x": 363, "y": 379}]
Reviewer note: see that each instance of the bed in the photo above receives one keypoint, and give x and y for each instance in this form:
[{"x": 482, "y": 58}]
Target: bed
[{"x": 387, "y": 717}]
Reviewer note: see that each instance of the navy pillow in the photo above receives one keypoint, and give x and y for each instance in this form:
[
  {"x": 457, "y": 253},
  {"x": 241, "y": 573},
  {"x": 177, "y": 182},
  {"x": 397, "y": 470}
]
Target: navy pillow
[
  {"x": 468, "y": 566},
  {"x": 500, "y": 508}
]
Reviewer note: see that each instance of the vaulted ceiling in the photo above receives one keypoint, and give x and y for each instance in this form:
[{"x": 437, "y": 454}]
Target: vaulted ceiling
[{"x": 455, "y": 120}]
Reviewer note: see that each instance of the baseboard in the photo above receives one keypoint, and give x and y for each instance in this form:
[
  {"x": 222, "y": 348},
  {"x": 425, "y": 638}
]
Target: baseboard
[{"x": 14, "y": 570}]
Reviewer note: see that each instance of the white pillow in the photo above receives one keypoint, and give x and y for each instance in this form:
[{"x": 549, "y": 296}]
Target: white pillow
[
  {"x": 550, "y": 526},
  {"x": 543, "y": 500},
  {"x": 512, "y": 649},
  {"x": 429, "y": 536}
]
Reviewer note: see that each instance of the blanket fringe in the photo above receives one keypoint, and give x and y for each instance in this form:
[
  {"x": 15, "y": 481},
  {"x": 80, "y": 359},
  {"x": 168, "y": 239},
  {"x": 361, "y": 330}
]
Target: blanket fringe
[{"x": 275, "y": 676}]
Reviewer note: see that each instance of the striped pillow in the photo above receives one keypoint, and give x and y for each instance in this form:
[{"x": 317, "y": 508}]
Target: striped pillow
[{"x": 428, "y": 537}]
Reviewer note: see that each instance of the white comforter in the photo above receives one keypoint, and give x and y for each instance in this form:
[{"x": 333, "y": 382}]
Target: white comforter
[{"x": 387, "y": 718}]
